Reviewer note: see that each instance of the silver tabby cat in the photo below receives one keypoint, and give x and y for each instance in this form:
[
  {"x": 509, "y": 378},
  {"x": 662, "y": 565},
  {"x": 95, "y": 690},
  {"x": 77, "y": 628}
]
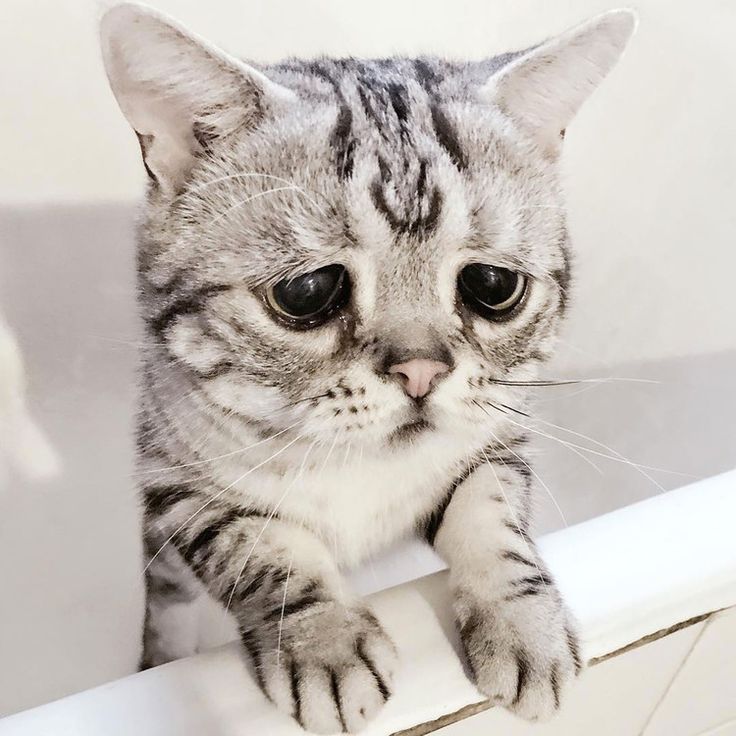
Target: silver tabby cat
[{"x": 350, "y": 272}]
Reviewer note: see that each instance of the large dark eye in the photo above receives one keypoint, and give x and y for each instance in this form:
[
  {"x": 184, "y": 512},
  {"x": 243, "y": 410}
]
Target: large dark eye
[
  {"x": 491, "y": 291},
  {"x": 312, "y": 298}
]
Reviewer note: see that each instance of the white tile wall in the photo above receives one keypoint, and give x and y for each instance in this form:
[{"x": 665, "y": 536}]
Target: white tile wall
[
  {"x": 704, "y": 693},
  {"x": 613, "y": 698}
]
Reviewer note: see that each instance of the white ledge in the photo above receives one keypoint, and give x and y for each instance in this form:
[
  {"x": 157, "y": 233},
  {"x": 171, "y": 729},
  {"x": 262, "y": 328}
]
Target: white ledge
[{"x": 626, "y": 575}]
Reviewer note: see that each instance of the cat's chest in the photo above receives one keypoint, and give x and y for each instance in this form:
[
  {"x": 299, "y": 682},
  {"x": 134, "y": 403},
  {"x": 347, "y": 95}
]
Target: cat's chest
[{"x": 359, "y": 504}]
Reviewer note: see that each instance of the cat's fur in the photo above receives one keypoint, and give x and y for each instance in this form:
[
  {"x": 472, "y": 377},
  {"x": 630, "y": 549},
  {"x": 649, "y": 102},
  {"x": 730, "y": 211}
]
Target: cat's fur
[{"x": 271, "y": 457}]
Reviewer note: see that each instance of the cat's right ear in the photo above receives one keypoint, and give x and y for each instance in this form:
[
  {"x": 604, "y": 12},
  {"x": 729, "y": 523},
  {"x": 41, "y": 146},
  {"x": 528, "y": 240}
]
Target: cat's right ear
[{"x": 177, "y": 91}]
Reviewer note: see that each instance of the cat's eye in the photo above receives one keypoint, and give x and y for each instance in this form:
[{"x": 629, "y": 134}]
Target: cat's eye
[
  {"x": 491, "y": 291},
  {"x": 310, "y": 299}
]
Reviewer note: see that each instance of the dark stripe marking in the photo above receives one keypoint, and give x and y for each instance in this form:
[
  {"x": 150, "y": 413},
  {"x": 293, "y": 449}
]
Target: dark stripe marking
[
  {"x": 554, "y": 681},
  {"x": 447, "y": 137},
  {"x": 294, "y": 678},
  {"x": 525, "y": 593},
  {"x": 343, "y": 143},
  {"x": 160, "y": 499},
  {"x": 205, "y": 537},
  {"x": 297, "y": 606},
  {"x": 385, "y": 692},
  {"x": 523, "y": 671},
  {"x": 336, "y": 697},
  {"x": 510, "y": 554},
  {"x": 572, "y": 645},
  {"x": 541, "y": 578},
  {"x": 187, "y": 304}
]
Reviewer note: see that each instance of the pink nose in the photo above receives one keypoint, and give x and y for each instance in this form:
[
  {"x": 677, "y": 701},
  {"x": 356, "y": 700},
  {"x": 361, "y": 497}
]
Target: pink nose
[{"x": 418, "y": 375}]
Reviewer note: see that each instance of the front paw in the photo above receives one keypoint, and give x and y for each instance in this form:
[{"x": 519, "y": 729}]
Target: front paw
[
  {"x": 522, "y": 650},
  {"x": 331, "y": 666}
]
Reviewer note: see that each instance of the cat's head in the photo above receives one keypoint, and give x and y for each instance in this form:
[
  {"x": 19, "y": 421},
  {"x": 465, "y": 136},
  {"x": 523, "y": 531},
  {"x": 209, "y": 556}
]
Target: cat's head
[{"x": 365, "y": 249}]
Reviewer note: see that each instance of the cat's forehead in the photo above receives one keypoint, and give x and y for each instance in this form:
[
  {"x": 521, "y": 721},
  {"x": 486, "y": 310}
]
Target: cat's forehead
[{"x": 392, "y": 157}]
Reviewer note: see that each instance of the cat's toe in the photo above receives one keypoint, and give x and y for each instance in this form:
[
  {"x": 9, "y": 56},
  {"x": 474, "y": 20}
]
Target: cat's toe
[
  {"x": 523, "y": 658},
  {"x": 332, "y": 676}
]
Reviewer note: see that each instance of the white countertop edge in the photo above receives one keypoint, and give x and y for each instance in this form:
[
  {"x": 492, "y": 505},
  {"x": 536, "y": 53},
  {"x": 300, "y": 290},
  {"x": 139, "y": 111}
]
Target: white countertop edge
[{"x": 625, "y": 575}]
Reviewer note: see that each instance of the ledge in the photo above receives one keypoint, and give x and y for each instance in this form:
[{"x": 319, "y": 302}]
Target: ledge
[{"x": 630, "y": 577}]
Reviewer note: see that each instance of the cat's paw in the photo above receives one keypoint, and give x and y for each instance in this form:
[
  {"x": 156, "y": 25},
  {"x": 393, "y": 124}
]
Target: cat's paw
[
  {"x": 523, "y": 653},
  {"x": 331, "y": 668}
]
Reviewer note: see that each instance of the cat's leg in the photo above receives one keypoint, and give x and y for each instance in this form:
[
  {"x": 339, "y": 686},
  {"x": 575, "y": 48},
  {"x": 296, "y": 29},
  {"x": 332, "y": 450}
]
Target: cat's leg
[
  {"x": 318, "y": 652},
  {"x": 172, "y": 621},
  {"x": 519, "y": 637}
]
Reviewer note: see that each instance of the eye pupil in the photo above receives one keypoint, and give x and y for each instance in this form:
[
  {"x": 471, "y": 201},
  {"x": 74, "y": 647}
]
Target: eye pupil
[
  {"x": 491, "y": 291},
  {"x": 311, "y": 298}
]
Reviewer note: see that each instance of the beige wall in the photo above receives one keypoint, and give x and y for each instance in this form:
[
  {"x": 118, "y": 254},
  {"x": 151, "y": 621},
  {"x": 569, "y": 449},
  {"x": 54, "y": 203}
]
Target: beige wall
[{"x": 650, "y": 163}]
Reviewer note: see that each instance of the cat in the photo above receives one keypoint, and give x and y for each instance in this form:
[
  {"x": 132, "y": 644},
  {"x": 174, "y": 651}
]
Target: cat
[{"x": 350, "y": 272}]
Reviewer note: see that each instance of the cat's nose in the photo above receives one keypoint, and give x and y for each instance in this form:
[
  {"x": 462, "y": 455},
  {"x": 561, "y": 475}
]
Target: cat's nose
[{"x": 418, "y": 375}]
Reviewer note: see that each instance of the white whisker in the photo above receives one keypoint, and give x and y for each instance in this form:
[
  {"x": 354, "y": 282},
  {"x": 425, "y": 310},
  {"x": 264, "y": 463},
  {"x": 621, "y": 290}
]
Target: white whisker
[
  {"x": 219, "y": 457},
  {"x": 530, "y": 468},
  {"x": 245, "y": 201},
  {"x": 265, "y": 526},
  {"x": 216, "y": 496},
  {"x": 515, "y": 519},
  {"x": 252, "y": 174},
  {"x": 283, "y": 609}
]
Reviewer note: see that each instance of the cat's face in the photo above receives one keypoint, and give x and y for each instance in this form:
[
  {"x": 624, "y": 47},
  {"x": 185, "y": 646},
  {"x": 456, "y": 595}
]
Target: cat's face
[{"x": 311, "y": 229}]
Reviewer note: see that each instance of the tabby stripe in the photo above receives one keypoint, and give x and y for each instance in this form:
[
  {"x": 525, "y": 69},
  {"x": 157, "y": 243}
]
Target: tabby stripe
[
  {"x": 447, "y": 137},
  {"x": 158, "y": 500},
  {"x": 523, "y": 671},
  {"x": 217, "y": 370},
  {"x": 252, "y": 586},
  {"x": 188, "y": 304},
  {"x": 294, "y": 678},
  {"x": 525, "y": 593},
  {"x": 209, "y": 534},
  {"x": 554, "y": 681},
  {"x": 541, "y": 578},
  {"x": 336, "y": 697},
  {"x": 433, "y": 524},
  {"x": 510, "y": 554},
  {"x": 255, "y": 656},
  {"x": 574, "y": 650},
  {"x": 398, "y": 97},
  {"x": 360, "y": 649},
  {"x": 516, "y": 528},
  {"x": 378, "y": 197},
  {"x": 343, "y": 143},
  {"x": 297, "y": 606}
]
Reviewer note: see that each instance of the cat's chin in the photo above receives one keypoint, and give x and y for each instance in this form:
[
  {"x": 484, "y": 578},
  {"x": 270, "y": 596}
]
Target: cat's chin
[{"x": 410, "y": 430}]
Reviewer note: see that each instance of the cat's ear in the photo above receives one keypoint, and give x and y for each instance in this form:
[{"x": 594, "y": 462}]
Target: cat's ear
[
  {"x": 177, "y": 91},
  {"x": 543, "y": 88}
]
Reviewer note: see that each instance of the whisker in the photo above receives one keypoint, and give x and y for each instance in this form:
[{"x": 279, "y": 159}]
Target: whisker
[
  {"x": 265, "y": 526},
  {"x": 572, "y": 449},
  {"x": 250, "y": 174},
  {"x": 216, "y": 496},
  {"x": 530, "y": 468},
  {"x": 283, "y": 610},
  {"x": 220, "y": 457},
  {"x": 567, "y": 382},
  {"x": 515, "y": 519},
  {"x": 570, "y": 445},
  {"x": 600, "y": 444},
  {"x": 245, "y": 201}
]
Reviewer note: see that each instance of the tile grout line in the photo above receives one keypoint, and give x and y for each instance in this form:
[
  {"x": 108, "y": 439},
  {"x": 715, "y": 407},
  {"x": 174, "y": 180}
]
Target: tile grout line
[
  {"x": 675, "y": 675},
  {"x": 717, "y": 727}
]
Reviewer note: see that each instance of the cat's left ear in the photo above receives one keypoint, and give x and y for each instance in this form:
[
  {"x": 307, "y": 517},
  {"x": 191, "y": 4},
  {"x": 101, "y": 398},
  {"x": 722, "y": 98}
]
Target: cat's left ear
[
  {"x": 542, "y": 89},
  {"x": 177, "y": 91}
]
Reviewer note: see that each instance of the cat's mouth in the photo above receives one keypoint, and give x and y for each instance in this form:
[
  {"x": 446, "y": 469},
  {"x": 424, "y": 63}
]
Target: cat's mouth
[{"x": 408, "y": 430}]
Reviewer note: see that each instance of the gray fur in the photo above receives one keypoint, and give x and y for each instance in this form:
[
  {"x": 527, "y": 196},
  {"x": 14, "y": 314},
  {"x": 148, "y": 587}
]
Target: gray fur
[{"x": 271, "y": 456}]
